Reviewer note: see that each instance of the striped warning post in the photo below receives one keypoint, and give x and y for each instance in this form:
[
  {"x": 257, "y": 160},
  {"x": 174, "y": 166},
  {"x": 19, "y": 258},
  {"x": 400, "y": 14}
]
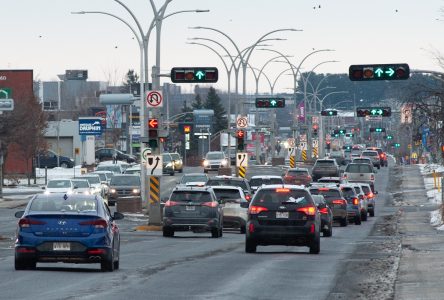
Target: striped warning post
[
  {"x": 242, "y": 172},
  {"x": 292, "y": 164},
  {"x": 304, "y": 155},
  {"x": 154, "y": 190},
  {"x": 315, "y": 152}
]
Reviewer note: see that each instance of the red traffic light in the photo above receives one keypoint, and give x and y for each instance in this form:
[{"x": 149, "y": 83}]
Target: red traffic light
[
  {"x": 240, "y": 134},
  {"x": 153, "y": 123}
]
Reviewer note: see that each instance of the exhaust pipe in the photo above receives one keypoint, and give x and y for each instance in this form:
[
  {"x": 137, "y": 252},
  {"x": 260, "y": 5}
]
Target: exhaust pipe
[{"x": 95, "y": 258}]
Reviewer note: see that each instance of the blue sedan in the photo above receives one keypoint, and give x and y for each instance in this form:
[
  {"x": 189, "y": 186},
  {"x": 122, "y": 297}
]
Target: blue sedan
[{"x": 67, "y": 228}]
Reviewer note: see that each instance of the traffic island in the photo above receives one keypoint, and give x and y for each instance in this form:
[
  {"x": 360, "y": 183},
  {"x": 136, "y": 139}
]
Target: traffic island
[{"x": 129, "y": 205}]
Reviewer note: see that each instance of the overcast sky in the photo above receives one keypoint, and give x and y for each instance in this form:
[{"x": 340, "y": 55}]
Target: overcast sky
[{"x": 44, "y": 36}]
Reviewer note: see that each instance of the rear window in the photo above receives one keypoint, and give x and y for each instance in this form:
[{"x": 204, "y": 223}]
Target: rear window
[
  {"x": 359, "y": 168},
  {"x": 369, "y": 153},
  {"x": 226, "y": 194},
  {"x": 102, "y": 176},
  {"x": 348, "y": 192},
  {"x": 325, "y": 163},
  {"x": 229, "y": 182},
  {"x": 125, "y": 180},
  {"x": 297, "y": 172},
  {"x": 190, "y": 196},
  {"x": 266, "y": 181},
  {"x": 330, "y": 193},
  {"x": 361, "y": 161},
  {"x": 318, "y": 199},
  {"x": 357, "y": 190},
  {"x": 60, "y": 204},
  {"x": 196, "y": 178},
  {"x": 366, "y": 189},
  {"x": 81, "y": 183},
  {"x": 175, "y": 156},
  {"x": 274, "y": 198},
  {"x": 92, "y": 179}
]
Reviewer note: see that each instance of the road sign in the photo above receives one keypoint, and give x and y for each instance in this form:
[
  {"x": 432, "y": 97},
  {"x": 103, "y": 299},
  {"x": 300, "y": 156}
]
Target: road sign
[
  {"x": 154, "y": 197},
  {"x": 154, "y": 165},
  {"x": 242, "y": 122},
  {"x": 5, "y": 93},
  {"x": 90, "y": 126},
  {"x": 291, "y": 142},
  {"x": 303, "y": 145},
  {"x": 6, "y": 104},
  {"x": 315, "y": 143},
  {"x": 154, "y": 99},
  {"x": 146, "y": 152},
  {"x": 242, "y": 159}
]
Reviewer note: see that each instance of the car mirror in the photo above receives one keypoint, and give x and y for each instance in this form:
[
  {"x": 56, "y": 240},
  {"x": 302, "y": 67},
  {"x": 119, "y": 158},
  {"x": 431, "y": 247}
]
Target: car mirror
[
  {"x": 244, "y": 204},
  {"x": 19, "y": 214},
  {"x": 118, "y": 216},
  {"x": 43, "y": 187}
]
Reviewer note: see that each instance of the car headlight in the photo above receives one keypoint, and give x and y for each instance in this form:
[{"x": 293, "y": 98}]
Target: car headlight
[
  {"x": 72, "y": 160},
  {"x": 169, "y": 165},
  {"x": 224, "y": 162},
  {"x": 206, "y": 163},
  {"x": 113, "y": 191},
  {"x": 46, "y": 192},
  {"x": 136, "y": 191},
  {"x": 86, "y": 192}
]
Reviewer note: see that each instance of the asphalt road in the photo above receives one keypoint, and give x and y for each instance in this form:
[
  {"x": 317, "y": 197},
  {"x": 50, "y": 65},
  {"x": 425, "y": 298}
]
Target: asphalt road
[{"x": 190, "y": 266}]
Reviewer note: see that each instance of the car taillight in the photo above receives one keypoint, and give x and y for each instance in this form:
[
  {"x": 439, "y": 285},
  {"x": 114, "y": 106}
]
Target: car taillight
[
  {"x": 98, "y": 223},
  {"x": 254, "y": 210},
  {"x": 324, "y": 210},
  {"x": 339, "y": 201},
  {"x": 251, "y": 228},
  {"x": 248, "y": 197},
  {"x": 210, "y": 204},
  {"x": 308, "y": 210},
  {"x": 355, "y": 201},
  {"x": 344, "y": 176},
  {"x": 26, "y": 223},
  {"x": 372, "y": 177},
  {"x": 170, "y": 203},
  {"x": 370, "y": 195}
]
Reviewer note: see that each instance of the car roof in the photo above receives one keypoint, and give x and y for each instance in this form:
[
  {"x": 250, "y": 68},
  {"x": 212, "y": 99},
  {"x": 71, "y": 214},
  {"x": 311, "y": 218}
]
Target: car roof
[
  {"x": 330, "y": 185},
  {"x": 331, "y": 178},
  {"x": 285, "y": 186},
  {"x": 185, "y": 188},
  {"x": 61, "y": 195},
  {"x": 227, "y": 187},
  {"x": 195, "y": 174},
  {"x": 227, "y": 177},
  {"x": 265, "y": 177},
  {"x": 326, "y": 159},
  {"x": 297, "y": 169},
  {"x": 102, "y": 172}
]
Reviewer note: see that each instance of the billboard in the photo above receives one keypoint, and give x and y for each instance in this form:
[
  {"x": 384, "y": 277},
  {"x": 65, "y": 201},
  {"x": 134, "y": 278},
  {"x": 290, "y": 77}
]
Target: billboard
[{"x": 90, "y": 126}]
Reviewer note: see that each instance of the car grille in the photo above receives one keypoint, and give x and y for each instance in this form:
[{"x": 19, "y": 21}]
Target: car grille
[{"x": 124, "y": 192}]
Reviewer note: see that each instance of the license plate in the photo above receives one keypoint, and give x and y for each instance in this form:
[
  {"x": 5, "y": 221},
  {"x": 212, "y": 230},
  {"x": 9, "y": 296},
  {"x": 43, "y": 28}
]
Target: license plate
[
  {"x": 190, "y": 207},
  {"x": 61, "y": 246},
  {"x": 282, "y": 215}
]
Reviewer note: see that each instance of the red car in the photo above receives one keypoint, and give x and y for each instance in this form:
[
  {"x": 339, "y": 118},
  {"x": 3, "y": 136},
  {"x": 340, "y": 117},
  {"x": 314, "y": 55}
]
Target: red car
[{"x": 299, "y": 176}]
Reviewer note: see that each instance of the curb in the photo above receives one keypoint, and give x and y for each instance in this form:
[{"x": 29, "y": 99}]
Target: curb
[{"x": 148, "y": 228}]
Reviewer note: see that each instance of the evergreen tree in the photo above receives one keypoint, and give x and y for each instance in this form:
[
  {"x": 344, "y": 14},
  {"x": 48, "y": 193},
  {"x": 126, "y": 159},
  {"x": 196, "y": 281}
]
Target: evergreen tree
[
  {"x": 198, "y": 103},
  {"x": 213, "y": 102},
  {"x": 131, "y": 79}
]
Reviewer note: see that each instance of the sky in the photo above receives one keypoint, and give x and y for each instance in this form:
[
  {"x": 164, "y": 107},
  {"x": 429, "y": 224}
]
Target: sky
[{"x": 44, "y": 36}]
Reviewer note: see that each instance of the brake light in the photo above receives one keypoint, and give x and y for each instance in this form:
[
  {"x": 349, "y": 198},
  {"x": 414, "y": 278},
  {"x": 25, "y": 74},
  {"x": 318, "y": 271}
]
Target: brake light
[
  {"x": 339, "y": 201},
  {"x": 308, "y": 210},
  {"x": 96, "y": 251},
  {"x": 254, "y": 210},
  {"x": 282, "y": 190},
  {"x": 382, "y": 155},
  {"x": 370, "y": 195},
  {"x": 324, "y": 211},
  {"x": 355, "y": 201},
  {"x": 210, "y": 204},
  {"x": 98, "y": 223},
  {"x": 323, "y": 189},
  {"x": 170, "y": 203},
  {"x": 248, "y": 197},
  {"x": 361, "y": 197},
  {"x": 26, "y": 223}
]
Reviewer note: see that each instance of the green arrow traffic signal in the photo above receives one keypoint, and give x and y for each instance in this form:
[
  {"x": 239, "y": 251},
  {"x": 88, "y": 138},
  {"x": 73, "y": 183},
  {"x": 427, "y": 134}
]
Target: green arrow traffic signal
[
  {"x": 273, "y": 103},
  {"x": 379, "y": 72},
  {"x": 200, "y": 74},
  {"x": 397, "y": 145}
]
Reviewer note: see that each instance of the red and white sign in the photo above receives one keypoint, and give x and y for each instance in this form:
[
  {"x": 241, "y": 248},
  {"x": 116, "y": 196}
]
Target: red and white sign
[{"x": 154, "y": 99}]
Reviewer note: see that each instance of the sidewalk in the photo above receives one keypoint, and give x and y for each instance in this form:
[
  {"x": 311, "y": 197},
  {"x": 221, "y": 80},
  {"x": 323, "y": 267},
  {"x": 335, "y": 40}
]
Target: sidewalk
[{"x": 421, "y": 263}]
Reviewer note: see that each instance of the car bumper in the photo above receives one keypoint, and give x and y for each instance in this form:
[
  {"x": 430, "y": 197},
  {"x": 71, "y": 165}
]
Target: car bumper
[
  {"x": 234, "y": 222},
  {"x": 281, "y": 235},
  {"x": 185, "y": 224}
]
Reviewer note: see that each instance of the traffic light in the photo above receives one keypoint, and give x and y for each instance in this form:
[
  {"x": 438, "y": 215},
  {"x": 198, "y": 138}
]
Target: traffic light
[
  {"x": 194, "y": 74},
  {"x": 374, "y": 111},
  {"x": 315, "y": 130},
  {"x": 186, "y": 129},
  {"x": 342, "y": 131},
  {"x": 153, "y": 133},
  {"x": 397, "y": 145},
  {"x": 377, "y": 129},
  {"x": 379, "y": 72},
  {"x": 329, "y": 113},
  {"x": 240, "y": 135},
  {"x": 389, "y": 137},
  {"x": 347, "y": 148},
  {"x": 328, "y": 145},
  {"x": 270, "y": 102}
]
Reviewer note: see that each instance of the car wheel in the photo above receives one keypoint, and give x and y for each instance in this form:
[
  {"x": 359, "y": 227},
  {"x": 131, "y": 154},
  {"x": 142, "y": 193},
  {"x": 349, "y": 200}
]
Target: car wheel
[
  {"x": 107, "y": 265},
  {"x": 372, "y": 213},
  {"x": 181, "y": 170},
  {"x": 64, "y": 165},
  {"x": 21, "y": 264},
  {"x": 344, "y": 222},
  {"x": 168, "y": 232},
  {"x": 379, "y": 167},
  {"x": 358, "y": 220},
  {"x": 243, "y": 229},
  {"x": 364, "y": 216},
  {"x": 328, "y": 232},
  {"x": 117, "y": 264},
  {"x": 250, "y": 246},
  {"x": 215, "y": 233},
  {"x": 315, "y": 246}
]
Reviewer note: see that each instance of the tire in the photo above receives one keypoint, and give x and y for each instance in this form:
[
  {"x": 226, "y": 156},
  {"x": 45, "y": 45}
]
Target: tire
[
  {"x": 358, "y": 220},
  {"x": 364, "y": 216},
  {"x": 379, "y": 167},
  {"x": 372, "y": 213},
  {"x": 205, "y": 171},
  {"x": 117, "y": 264},
  {"x": 172, "y": 173},
  {"x": 243, "y": 229},
  {"x": 250, "y": 246},
  {"x": 181, "y": 170},
  {"x": 107, "y": 265},
  {"x": 21, "y": 264},
  {"x": 315, "y": 246},
  {"x": 215, "y": 233},
  {"x": 221, "y": 232},
  {"x": 344, "y": 222},
  {"x": 168, "y": 232},
  {"x": 328, "y": 232},
  {"x": 64, "y": 165}
]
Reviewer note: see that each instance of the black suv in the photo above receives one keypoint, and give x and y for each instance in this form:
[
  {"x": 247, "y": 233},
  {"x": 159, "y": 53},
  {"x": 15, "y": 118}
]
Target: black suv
[
  {"x": 283, "y": 215},
  {"x": 325, "y": 168},
  {"x": 110, "y": 153},
  {"x": 192, "y": 208},
  {"x": 123, "y": 185}
]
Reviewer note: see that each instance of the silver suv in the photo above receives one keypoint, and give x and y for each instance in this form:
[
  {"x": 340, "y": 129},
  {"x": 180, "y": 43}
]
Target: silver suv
[{"x": 215, "y": 160}]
